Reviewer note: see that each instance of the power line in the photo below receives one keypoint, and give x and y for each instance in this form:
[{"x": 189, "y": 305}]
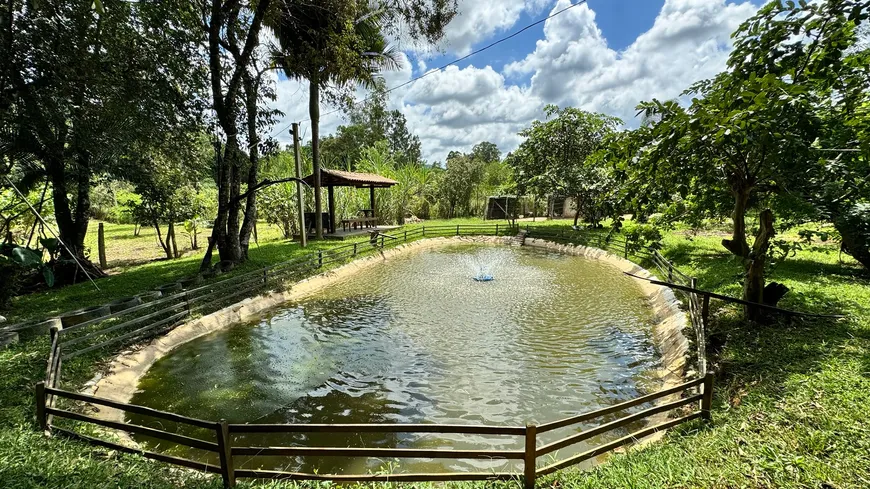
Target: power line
[{"x": 457, "y": 60}]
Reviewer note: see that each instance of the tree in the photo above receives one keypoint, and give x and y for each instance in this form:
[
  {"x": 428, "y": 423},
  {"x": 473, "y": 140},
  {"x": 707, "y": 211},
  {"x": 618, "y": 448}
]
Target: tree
[
  {"x": 486, "y": 152},
  {"x": 556, "y": 158},
  {"x": 166, "y": 180},
  {"x": 749, "y": 132},
  {"x": 278, "y": 202},
  {"x": 80, "y": 87},
  {"x": 334, "y": 42},
  {"x": 411, "y": 192},
  {"x": 236, "y": 68},
  {"x": 338, "y": 42},
  {"x": 371, "y": 122},
  {"x": 458, "y": 182}
]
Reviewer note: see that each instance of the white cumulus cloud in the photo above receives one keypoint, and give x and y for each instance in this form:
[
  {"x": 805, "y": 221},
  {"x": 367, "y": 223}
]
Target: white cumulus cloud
[{"x": 571, "y": 64}]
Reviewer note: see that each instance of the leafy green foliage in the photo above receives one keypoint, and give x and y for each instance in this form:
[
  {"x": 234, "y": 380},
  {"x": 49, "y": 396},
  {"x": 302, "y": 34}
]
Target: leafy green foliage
[
  {"x": 557, "y": 158},
  {"x": 748, "y": 135},
  {"x": 371, "y": 122},
  {"x": 642, "y": 236},
  {"x": 86, "y": 86},
  {"x": 457, "y": 183}
]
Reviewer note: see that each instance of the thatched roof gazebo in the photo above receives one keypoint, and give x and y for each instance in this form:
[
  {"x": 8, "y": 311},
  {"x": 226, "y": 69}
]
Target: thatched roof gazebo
[{"x": 339, "y": 178}]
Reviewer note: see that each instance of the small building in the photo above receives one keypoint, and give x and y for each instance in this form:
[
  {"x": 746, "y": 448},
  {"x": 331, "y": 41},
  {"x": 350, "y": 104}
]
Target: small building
[{"x": 501, "y": 207}]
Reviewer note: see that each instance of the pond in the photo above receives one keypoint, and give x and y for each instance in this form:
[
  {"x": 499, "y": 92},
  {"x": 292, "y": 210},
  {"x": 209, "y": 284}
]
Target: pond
[{"x": 417, "y": 340}]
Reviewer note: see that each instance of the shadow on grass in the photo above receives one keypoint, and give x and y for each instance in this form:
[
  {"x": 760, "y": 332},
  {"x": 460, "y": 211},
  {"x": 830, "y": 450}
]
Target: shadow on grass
[
  {"x": 767, "y": 355},
  {"x": 140, "y": 278}
]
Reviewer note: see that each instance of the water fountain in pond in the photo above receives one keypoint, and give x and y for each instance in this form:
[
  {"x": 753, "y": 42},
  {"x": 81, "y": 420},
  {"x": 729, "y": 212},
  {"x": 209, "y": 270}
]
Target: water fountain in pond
[{"x": 483, "y": 264}]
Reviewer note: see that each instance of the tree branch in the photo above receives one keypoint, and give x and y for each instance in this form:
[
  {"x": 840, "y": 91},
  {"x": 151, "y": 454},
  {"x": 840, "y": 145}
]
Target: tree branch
[{"x": 267, "y": 183}]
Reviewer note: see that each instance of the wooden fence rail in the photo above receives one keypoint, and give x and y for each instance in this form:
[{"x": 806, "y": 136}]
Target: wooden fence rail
[
  {"x": 166, "y": 312},
  {"x": 227, "y": 451}
]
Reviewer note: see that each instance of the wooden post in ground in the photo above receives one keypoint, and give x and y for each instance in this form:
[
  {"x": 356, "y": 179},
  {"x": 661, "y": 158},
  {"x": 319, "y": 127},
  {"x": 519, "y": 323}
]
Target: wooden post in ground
[
  {"x": 705, "y": 311},
  {"x": 226, "y": 455},
  {"x": 530, "y": 457},
  {"x": 101, "y": 245},
  {"x": 707, "y": 400},
  {"x": 40, "y": 407},
  {"x": 330, "y": 194},
  {"x": 701, "y": 328},
  {"x": 300, "y": 206}
]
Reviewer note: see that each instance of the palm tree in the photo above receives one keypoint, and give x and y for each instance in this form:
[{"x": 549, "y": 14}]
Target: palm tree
[{"x": 333, "y": 43}]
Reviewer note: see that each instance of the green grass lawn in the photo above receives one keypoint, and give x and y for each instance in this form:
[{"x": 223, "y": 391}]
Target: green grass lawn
[{"x": 789, "y": 410}]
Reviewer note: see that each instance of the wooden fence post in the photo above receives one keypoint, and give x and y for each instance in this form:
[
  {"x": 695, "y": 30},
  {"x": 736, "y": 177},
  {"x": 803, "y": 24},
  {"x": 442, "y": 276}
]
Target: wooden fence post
[
  {"x": 705, "y": 310},
  {"x": 354, "y": 249},
  {"x": 265, "y": 275},
  {"x": 670, "y": 272},
  {"x": 406, "y": 235},
  {"x": 226, "y": 454},
  {"x": 701, "y": 329},
  {"x": 707, "y": 400},
  {"x": 40, "y": 407},
  {"x": 496, "y": 229},
  {"x": 530, "y": 457},
  {"x": 101, "y": 246},
  {"x": 424, "y": 230},
  {"x": 457, "y": 229},
  {"x": 319, "y": 258}
]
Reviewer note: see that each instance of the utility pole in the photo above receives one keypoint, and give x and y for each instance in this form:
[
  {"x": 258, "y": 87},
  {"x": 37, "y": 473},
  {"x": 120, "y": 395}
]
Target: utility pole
[{"x": 300, "y": 203}]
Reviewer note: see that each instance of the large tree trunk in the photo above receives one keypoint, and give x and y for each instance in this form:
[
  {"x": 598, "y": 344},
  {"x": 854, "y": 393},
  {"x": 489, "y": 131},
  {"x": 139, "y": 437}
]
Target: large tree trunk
[
  {"x": 250, "y": 219},
  {"x": 753, "y": 287},
  {"x": 226, "y": 234},
  {"x": 232, "y": 249},
  {"x": 219, "y": 226},
  {"x": 314, "y": 113},
  {"x": 170, "y": 236},
  {"x": 72, "y": 227},
  {"x": 742, "y": 191},
  {"x": 855, "y": 238}
]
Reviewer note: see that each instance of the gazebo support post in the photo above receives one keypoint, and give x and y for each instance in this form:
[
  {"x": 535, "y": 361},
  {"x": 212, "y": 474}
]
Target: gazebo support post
[
  {"x": 331, "y": 197},
  {"x": 372, "y": 200}
]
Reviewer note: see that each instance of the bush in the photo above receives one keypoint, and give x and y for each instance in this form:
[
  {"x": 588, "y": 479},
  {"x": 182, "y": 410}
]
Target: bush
[{"x": 642, "y": 236}]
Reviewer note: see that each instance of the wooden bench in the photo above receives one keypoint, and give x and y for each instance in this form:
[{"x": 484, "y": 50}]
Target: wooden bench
[
  {"x": 353, "y": 223},
  {"x": 350, "y": 223}
]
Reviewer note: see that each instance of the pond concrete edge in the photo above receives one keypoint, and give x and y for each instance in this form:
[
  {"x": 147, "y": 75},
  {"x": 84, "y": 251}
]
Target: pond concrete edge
[{"x": 120, "y": 380}]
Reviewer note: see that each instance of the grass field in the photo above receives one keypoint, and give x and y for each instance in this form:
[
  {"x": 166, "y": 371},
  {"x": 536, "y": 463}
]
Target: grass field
[{"x": 789, "y": 410}]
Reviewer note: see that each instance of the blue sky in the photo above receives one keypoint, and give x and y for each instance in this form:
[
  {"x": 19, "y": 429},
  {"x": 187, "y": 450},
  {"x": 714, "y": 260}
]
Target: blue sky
[
  {"x": 621, "y": 21},
  {"x": 604, "y": 56}
]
